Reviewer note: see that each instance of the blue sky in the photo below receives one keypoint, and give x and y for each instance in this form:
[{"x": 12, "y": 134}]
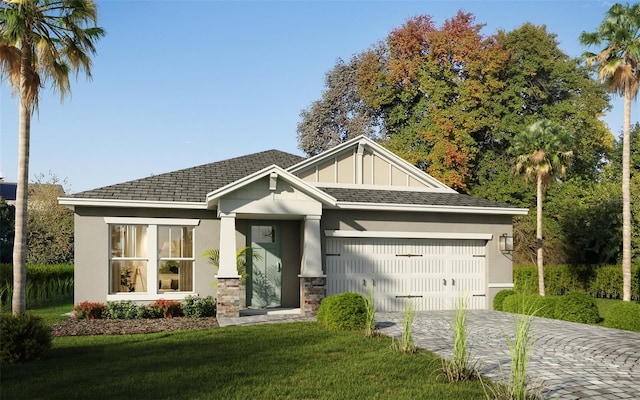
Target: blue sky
[{"x": 183, "y": 83}]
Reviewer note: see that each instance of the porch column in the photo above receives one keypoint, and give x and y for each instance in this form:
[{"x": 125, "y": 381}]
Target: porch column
[
  {"x": 228, "y": 304},
  {"x": 312, "y": 280}
]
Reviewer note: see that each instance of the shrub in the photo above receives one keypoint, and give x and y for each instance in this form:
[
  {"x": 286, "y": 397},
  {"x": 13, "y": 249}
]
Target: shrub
[
  {"x": 24, "y": 338},
  {"x": 577, "y": 307},
  {"x": 88, "y": 310},
  {"x": 167, "y": 308},
  {"x": 344, "y": 311},
  {"x": 199, "y": 307},
  {"x": 499, "y": 298},
  {"x": 121, "y": 310},
  {"x": 530, "y": 304},
  {"x": 624, "y": 315}
]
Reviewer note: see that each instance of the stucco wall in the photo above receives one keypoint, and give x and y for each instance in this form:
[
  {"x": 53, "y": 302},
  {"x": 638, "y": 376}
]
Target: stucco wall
[
  {"x": 92, "y": 250},
  {"x": 499, "y": 266}
]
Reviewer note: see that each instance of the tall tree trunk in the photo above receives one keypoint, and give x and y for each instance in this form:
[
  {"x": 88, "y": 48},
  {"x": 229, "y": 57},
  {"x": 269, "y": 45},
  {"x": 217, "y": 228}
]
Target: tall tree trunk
[
  {"x": 626, "y": 200},
  {"x": 539, "y": 236},
  {"x": 20, "y": 239}
]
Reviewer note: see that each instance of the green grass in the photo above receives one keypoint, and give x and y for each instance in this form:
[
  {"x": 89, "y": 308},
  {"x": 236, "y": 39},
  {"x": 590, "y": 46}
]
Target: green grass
[
  {"x": 283, "y": 361},
  {"x": 53, "y": 312}
]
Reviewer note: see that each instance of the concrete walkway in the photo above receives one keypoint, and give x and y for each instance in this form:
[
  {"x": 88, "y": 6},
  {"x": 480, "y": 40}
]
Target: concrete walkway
[{"x": 569, "y": 360}]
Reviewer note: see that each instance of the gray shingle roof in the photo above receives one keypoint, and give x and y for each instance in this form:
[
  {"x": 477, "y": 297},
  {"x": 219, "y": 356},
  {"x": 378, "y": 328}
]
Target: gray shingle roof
[
  {"x": 406, "y": 197},
  {"x": 192, "y": 184}
]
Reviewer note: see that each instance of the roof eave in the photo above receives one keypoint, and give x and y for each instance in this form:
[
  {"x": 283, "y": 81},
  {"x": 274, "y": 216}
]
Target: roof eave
[
  {"x": 431, "y": 208},
  {"x": 84, "y": 202}
]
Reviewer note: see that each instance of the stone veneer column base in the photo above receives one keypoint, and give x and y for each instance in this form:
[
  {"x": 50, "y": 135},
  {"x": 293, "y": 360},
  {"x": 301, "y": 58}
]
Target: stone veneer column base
[
  {"x": 312, "y": 291},
  {"x": 228, "y": 303}
]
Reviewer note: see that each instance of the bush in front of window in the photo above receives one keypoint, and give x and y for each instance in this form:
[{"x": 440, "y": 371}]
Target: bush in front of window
[
  {"x": 199, "y": 307},
  {"x": 130, "y": 310},
  {"x": 168, "y": 308},
  {"x": 89, "y": 310},
  {"x": 23, "y": 338}
]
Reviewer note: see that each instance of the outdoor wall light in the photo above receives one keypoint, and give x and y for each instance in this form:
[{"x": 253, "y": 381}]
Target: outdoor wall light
[{"x": 506, "y": 243}]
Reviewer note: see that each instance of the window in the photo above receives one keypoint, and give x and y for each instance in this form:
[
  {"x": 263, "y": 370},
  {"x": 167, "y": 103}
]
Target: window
[
  {"x": 175, "y": 267},
  {"x": 151, "y": 258},
  {"x": 129, "y": 258}
]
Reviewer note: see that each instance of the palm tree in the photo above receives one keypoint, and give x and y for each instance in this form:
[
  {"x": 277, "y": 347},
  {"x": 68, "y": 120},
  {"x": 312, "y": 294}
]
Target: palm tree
[
  {"x": 618, "y": 69},
  {"x": 541, "y": 153},
  {"x": 40, "y": 41}
]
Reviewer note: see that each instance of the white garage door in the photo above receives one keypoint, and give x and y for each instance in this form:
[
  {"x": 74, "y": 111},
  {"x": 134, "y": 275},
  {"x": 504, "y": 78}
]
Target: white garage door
[{"x": 432, "y": 273}]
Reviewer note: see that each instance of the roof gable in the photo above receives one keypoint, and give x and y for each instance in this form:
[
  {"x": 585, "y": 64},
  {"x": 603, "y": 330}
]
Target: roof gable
[
  {"x": 274, "y": 173},
  {"x": 190, "y": 185},
  {"x": 363, "y": 163}
]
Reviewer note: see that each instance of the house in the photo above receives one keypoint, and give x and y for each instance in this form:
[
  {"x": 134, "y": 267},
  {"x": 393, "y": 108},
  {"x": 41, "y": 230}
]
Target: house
[
  {"x": 353, "y": 218},
  {"x": 8, "y": 191}
]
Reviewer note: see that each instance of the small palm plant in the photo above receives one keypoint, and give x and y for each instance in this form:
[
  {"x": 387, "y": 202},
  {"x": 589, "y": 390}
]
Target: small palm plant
[{"x": 213, "y": 256}]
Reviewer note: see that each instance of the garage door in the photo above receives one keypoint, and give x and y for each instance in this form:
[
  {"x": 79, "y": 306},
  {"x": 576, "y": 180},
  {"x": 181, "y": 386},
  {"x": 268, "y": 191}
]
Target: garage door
[{"x": 432, "y": 273}]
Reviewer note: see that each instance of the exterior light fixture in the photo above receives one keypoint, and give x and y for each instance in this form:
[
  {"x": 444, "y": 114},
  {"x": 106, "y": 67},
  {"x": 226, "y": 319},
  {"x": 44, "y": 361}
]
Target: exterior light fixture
[{"x": 506, "y": 243}]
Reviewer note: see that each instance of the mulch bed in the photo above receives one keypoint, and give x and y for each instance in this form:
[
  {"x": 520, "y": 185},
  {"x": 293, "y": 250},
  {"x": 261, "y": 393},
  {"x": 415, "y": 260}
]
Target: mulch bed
[{"x": 84, "y": 327}]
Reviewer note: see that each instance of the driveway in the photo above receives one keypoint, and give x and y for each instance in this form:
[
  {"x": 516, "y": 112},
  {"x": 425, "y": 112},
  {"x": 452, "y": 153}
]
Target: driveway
[{"x": 573, "y": 361}]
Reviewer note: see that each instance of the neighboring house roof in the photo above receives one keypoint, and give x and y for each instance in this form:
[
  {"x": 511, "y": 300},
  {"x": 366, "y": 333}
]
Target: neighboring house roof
[
  {"x": 8, "y": 191},
  {"x": 192, "y": 184}
]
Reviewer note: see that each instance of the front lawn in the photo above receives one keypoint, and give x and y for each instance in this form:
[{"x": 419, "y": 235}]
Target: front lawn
[{"x": 293, "y": 360}]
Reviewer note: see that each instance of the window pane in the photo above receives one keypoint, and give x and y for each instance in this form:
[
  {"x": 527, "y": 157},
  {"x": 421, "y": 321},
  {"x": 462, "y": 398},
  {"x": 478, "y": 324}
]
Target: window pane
[
  {"x": 175, "y": 241},
  {"x": 129, "y": 241},
  {"x": 263, "y": 234},
  {"x": 128, "y": 276},
  {"x": 175, "y": 276}
]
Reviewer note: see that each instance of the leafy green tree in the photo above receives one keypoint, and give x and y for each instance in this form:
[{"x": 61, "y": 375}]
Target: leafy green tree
[
  {"x": 544, "y": 82},
  {"x": 40, "y": 41},
  {"x": 340, "y": 115},
  {"x": 618, "y": 69},
  {"x": 541, "y": 154},
  {"x": 434, "y": 87},
  {"x": 50, "y": 234},
  {"x": 7, "y": 222}
]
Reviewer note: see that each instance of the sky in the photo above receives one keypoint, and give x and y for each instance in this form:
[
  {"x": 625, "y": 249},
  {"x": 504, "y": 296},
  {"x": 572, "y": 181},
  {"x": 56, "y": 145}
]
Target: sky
[{"x": 183, "y": 83}]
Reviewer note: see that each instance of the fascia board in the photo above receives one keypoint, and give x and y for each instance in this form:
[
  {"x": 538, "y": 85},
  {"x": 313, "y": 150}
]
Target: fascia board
[
  {"x": 282, "y": 174},
  {"x": 432, "y": 208},
  {"x": 76, "y": 202},
  {"x": 407, "y": 235}
]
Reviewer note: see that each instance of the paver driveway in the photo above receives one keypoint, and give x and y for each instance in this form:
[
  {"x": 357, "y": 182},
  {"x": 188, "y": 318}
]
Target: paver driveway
[{"x": 573, "y": 361}]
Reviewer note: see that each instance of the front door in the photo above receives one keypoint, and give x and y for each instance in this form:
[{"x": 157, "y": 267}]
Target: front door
[{"x": 264, "y": 285}]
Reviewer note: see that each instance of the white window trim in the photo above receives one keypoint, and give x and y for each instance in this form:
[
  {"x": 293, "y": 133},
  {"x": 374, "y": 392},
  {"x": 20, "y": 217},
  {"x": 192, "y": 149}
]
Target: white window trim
[
  {"x": 151, "y": 221},
  {"x": 153, "y": 258}
]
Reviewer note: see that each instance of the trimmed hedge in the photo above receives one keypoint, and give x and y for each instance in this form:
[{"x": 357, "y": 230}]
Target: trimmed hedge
[
  {"x": 532, "y": 304},
  {"x": 344, "y": 311},
  {"x": 577, "y": 307},
  {"x": 37, "y": 273},
  {"x": 603, "y": 281},
  {"x": 23, "y": 338},
  {"x": 624, "y": 315},
  {"x": 499, "y": 298}
]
